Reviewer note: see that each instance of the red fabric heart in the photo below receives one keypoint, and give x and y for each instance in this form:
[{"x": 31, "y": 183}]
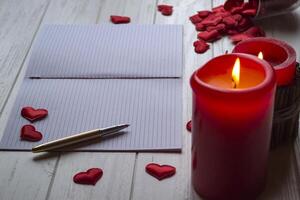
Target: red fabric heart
[
  {"x": 195, "y": 19},
  {"x": 218, "y": 9},
  {"x": 252, "y": 32},
  {"x": 33, "y": 114},
  {"x": 160, "y": 171},
  {"x": 166, "y": 10},
  {"x": 249, "y": 12},
  {"x": 189, "y": 126},
  {"x": 237, "y": 17},
  {"x": 211, "y": 20},
  {"x": 223, "y": 14},
  {"x": 90, "y": 177},
  {"x": 119, "y": 19},
  {"x": 203, "y": 13},
  {"x": 200, "y": 27},
  {"x": 244, "y": 24},
  {"x": 220, "y": 27},
  {"x": 200, "y": 46},
  {"x": 229, "y": 4},
  {"x": 209, "y": 36},
  {"x": 29, "y": 133}
]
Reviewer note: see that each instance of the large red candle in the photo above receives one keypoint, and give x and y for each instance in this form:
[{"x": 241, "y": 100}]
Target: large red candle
[
  {"x": 278, "y": 53},
  {"x": 231, "y": 127}
]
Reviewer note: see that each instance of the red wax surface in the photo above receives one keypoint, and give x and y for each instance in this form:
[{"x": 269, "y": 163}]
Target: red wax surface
[
  {"x": 278, "y": 53},
  {"x": 231, "y": 131}
]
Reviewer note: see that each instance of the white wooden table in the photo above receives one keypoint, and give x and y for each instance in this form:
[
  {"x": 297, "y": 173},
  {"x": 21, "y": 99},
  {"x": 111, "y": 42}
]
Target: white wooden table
[{"x": 24, "y": 176}]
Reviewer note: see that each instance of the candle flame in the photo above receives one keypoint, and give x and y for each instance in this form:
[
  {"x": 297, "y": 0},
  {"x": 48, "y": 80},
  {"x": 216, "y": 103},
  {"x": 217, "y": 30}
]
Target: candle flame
[
  {"x": 236, "y": 73},
  {"x": 261, "y": 55}
]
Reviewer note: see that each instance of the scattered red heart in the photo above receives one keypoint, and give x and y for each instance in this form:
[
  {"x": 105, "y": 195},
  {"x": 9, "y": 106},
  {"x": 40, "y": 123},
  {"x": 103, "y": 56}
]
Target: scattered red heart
[
  {"x": 90, "y": 177},
  {"x": 33, "y": 114},
  {"x": 29, "y": 133},
  {"x": 166, "y": 10},
  {"x": 189, "y": 126},
  {"x": 160, "y": 171},
  {"x": 233, "y": 18},
  {"x": 119, "y": 19},
  {"x": 200, "y": 46}
]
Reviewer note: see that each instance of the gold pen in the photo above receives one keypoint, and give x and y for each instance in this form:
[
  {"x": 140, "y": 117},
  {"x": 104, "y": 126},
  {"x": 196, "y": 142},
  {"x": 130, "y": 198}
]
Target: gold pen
[{"x": 80, "y": 137}]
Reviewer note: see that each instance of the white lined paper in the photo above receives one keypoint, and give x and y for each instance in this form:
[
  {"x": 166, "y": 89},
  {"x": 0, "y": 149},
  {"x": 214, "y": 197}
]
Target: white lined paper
[
  {"x": 139, "y": 83},
  {"x": 149, "y": 106},
  {"x": 107, "y": 51}
]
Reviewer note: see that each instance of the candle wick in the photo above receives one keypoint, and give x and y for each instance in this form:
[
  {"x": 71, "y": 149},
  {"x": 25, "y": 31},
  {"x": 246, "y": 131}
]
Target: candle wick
[{"x": 234, "y": 84}]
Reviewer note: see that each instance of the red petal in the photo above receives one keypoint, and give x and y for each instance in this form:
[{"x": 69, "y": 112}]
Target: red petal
[
  {"x": 218, "y": 9},
  {"x": 119, "y": 19},
  {"x": 195, "y": 19},
  {"x": 249, "y": 12},
  {"x": 212, "y": 20},
  {"x": 244, "y": 24},
  {"x": 220, "y": 27},
  {"x": 189, "y": 126},
  {"x": 237, "y": 17},
  {"x": 230, "y": 22},
  {"x": 163, "y": 6},
  {"x": 167, "y": 11},
  {"x": 200, "y": 27},
  {"x": 229, "y": 4},
  {"x": 200, "y": 46},
  {"x": 239, "y": 37},
  {"x": 203, "y": 13},
  {"x": 209, "y": 36}
]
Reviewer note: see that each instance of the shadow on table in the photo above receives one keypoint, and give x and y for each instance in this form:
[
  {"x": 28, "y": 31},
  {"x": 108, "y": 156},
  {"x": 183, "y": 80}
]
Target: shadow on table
[{"x": 280, "y": 171}]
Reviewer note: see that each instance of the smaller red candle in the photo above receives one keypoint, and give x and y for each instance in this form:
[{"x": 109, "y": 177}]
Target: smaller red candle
[
  {"x": 279, "y": 54},
  {"x": 232, "y": 121}
]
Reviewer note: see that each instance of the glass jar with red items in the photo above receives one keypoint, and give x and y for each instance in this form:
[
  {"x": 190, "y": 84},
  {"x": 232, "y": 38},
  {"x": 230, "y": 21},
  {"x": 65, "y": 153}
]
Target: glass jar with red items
[{"x": 267, "y": 8}]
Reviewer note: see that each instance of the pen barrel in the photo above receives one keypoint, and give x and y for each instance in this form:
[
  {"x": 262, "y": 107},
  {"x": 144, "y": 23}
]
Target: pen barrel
[{"x": 67, "y": 141}]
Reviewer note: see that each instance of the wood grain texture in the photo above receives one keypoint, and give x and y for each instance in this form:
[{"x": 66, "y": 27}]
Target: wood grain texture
[
  {"x": 140, "y": 12},
  {"x": 19, "y": 21},
  {"x": 21, "y": 176},
  {"x": 24, "y": 176},
  {"x": 179, "y": 186},
  {"x": 114, "y": 184}
]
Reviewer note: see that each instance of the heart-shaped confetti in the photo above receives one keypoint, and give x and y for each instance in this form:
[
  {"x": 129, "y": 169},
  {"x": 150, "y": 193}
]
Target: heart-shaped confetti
[
  {"x": 233, "y": 18},
  {"x": 200, "y": 46},
  {"x": 189, "y": 126},
  {"x": 33, "y": 114},
  {"x": 209, "y": 36},
  {"x": 90, "y": 177},
  {"x": 160, "y": 171},
  {"x": 119, "y": 19},
  {"x": 29, "y": 133},
  {"x": 166, "y": 10},
  {"x": 203, "y": 13}
]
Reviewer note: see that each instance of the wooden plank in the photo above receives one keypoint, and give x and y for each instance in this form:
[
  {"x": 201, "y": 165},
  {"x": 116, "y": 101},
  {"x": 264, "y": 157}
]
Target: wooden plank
[
  {"x": 140, "y": 12},
  {"x": 114, "y": 184},
  {"x": 118, "y": 167},
  {"x": 179, "y": 186},
  {"x": 16, "y": 179},
  {"x": 19, "y": 21}
]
